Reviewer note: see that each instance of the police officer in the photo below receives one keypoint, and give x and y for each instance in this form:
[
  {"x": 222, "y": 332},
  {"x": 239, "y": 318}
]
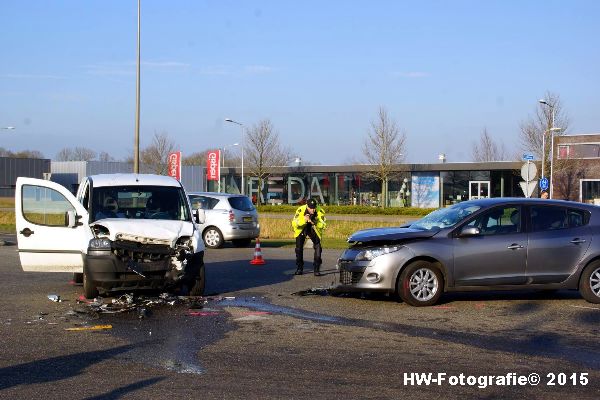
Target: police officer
[{"x": 309, "y": 220}]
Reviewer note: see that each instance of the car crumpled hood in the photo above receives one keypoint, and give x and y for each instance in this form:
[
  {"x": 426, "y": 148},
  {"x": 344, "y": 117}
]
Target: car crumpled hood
[
  {"x": 146, "y": 231},
  {"x": 389, "y": 234}
]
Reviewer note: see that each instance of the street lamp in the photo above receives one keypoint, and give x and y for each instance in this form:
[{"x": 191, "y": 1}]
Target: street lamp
[
  {"x": 551, "y": 130},
  {"x": 9, "y": 128},
  {"x": 243, "y": 141},
  {"x": 223, "y": 161}
]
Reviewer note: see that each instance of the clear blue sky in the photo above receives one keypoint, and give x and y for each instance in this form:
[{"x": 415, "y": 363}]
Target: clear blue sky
[{"x": 318, "y": 69}]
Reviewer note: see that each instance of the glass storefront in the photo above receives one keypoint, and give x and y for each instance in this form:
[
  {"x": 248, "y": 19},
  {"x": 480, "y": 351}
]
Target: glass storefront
[
  {"x": 590, "y": 191},
  {"x": 430, "y": 189}
]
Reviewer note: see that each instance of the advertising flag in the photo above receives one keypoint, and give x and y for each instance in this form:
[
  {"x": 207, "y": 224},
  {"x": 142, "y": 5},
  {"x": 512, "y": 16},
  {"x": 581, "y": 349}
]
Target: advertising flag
[
  {"x": 213, "y": 172},
  {"x": 174, "y": 165}
]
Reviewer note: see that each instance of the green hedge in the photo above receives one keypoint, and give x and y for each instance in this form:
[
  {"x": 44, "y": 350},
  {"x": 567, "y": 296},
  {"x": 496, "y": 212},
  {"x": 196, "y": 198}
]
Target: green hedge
[{"x": 411, "y": 211}]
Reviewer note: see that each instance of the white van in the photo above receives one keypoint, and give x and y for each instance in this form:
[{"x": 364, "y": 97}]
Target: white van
[{"x": 121, "y": 232}]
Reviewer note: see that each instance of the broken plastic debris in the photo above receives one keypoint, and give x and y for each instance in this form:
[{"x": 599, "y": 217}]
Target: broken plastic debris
[
  {"x": 90, "y": 328},
  {"x": 229, "y": 297},
  {"x": 54, "y": 297},
  {"x": 202, "y": 313},
  {"x": 320, "y": 291}
]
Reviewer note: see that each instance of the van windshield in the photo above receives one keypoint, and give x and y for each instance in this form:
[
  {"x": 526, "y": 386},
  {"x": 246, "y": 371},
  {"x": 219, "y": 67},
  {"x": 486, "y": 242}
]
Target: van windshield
[{"x": 139, "y": 202}]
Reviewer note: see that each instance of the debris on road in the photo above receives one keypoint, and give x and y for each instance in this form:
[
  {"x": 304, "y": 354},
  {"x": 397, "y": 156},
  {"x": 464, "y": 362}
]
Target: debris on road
[
  {"x": 54, "y": 297},
  {"x": 316, "y": 291},
  {"x": 90, "y": 328}
]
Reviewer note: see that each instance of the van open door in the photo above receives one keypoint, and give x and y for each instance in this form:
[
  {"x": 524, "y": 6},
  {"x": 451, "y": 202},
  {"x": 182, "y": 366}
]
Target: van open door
[{"x": 52, "y": 227}]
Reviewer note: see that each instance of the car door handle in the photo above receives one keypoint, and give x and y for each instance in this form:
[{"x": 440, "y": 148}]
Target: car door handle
[
  {"x": 26, "y": 232},
  {"x": 577, "y": 241},
  {"x": 514, "y": 246}
]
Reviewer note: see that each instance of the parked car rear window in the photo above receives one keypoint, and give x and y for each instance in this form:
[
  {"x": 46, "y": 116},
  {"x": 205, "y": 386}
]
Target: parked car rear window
[
  {"x": 203, "y": 202},
  {"x": 550, "y": 218},
  {"x": 241, "y": 203}
]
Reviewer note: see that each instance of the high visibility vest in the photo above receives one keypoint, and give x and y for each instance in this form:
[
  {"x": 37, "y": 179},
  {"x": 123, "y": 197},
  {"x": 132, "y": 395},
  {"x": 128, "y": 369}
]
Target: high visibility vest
[{"x": 298, "y": 222}]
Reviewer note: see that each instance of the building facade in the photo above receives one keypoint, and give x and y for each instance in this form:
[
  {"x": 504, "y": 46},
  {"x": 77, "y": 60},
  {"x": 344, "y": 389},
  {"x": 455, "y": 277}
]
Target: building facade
[
  {"x": 414, "y": 185},
  {"x": 576, "y": 168},
  {"x": 12, "y": 168}
]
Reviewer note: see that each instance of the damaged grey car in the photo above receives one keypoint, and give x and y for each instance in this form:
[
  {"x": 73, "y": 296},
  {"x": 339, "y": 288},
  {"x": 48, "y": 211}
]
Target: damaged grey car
[
  {"x": 121, "y": 232},
  {"x": 499, "y": 244}
]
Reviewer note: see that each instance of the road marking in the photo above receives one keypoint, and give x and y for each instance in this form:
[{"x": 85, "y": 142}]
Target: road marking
[{"x": 588, "y": 308}]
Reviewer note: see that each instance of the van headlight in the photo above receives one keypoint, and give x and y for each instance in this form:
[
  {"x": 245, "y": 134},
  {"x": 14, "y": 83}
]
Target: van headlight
[
  {"x": 370, "y": 254},
  {"x": 100, "y": 244}
]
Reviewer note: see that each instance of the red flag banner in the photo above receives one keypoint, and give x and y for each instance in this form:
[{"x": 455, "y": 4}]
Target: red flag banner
[
  {"x": 174, "y": 165},
  {"x": 213, "y": 172}
]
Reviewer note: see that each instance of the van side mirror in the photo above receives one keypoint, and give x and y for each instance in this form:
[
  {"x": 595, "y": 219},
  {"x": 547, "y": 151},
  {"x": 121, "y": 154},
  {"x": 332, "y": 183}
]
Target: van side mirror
[
  {"x": 469, "y": 231},
  {"x": 71, "y": 219},
  {"x": 199, "y": 216}
]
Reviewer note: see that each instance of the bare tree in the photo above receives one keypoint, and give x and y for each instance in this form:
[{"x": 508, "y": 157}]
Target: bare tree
[
  {"x": 198, "y": 158},
  {"x": 383, "y": 148},
  {"x": 535, "y": 132},
  {"x": 487, "y": 149},
  {"x": 263, "y": 151},
  {"x": 154, "y": 157},
  {"x": 20, "y": 154},
  {"x": 76, "y": 154},
  {"x": 104, "y": 156}
]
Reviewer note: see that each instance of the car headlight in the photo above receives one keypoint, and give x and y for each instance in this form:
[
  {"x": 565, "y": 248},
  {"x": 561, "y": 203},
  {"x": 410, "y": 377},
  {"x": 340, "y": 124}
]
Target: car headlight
[
  {"x": 370, "y": 254},
  {"x": 100, "y": 244}
]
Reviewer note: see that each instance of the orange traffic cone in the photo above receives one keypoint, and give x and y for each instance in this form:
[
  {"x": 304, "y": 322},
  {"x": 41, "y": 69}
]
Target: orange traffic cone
[{"x": 257, "y": 260}]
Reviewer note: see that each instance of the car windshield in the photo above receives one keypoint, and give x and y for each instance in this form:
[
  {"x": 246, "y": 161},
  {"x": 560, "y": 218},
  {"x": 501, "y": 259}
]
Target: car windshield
[
  {"x": 445, "y": 217},
  {"x": 139, "y": 202}
]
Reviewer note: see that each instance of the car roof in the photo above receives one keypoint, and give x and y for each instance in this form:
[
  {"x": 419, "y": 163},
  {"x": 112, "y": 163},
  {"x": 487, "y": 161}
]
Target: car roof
[
  {"x": 103, "y": 180},
  {"x": 489, "y": 202}
]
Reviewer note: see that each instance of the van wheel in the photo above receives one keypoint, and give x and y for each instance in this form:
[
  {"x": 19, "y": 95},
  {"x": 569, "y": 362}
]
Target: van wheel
[
  {"x": 213, "y": 238},
  {"x": 90, "y": 291},
  {"x": 420, "y": 284},
  {"x": 197, "y": 286},
  {"x": 589, "y": 284}
]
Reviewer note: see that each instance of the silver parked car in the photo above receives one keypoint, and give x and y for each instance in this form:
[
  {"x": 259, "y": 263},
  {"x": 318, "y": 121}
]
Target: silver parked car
[
  {"x": 228, "y": 217},
  {"x": 500, "y": 243}
]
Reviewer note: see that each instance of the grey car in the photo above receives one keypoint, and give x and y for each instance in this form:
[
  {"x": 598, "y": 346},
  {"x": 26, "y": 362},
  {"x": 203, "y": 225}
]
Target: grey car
[
  {"x": 229, "y": 217},
  {"x": 500, "y": 244}
]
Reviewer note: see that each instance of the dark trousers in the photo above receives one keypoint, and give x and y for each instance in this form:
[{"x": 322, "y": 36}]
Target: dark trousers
[{"x": 300, "y": 239}]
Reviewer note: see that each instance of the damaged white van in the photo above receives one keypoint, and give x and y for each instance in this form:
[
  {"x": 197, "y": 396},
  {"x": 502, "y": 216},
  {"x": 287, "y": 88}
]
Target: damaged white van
[{"x": 121, "y": 232}]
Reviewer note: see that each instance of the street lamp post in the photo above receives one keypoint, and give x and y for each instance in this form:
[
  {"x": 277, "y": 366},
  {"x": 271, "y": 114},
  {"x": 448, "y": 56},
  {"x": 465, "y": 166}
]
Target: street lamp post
[
  {"x": 551, "y": 130},
  {"x": 242, "y": 144},
  {"x": 9, "y": 128}
]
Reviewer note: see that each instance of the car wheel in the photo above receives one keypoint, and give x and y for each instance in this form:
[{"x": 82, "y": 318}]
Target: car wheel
[
  {"x": 197, "y": 286},
  {"x": 78, "y": 278},
  {"x": 241, "y": 242},
  {"x": 589, "y": 284},
  {"x": 213, "y": 238},
  {"x": 90, "y": 291},
  {"x": 420, "y": 284}
]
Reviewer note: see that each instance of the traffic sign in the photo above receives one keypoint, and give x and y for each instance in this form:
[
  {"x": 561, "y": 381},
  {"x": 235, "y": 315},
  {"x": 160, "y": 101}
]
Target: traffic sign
[
  {"x": 527, "y": 187},
  {"x": 544, "y": 183},
  {"x": 528, "y": 171},
  {"x": 527, "y": 157}
]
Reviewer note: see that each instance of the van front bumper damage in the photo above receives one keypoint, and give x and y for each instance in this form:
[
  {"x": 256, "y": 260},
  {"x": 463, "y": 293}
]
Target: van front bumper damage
[{"x": 130, "y": 265}]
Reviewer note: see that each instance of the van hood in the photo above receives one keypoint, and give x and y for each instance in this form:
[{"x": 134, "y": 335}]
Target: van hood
[
  {"x": 146, "y": 231},
  {"x": 394, "y": 234}
]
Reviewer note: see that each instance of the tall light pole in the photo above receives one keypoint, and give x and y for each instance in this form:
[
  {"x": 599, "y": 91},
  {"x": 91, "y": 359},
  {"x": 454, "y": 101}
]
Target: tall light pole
[
  {"x": 243, "y": 141},
  {"x": 136, "y": 141},
  {"x": 9, "y": 128},
  {"x": 552, "y": 130},
  {"x": 542, "y": 101}
]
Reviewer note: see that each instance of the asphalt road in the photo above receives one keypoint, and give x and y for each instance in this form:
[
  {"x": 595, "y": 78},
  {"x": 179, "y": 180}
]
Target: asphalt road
[{"x": 263, "y": 341}]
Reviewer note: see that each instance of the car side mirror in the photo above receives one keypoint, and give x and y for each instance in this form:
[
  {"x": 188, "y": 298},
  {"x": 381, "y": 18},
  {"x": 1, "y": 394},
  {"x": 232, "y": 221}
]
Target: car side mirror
[
  {"x": 199, "y": 216},
  {"x": 469, "y": 231}
]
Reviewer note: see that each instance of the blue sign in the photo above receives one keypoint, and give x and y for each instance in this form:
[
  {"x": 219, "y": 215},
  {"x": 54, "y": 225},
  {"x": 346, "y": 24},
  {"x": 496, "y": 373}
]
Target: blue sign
[
  {"x": 527, "y": 157},
  {"x": 544, "y": 184}
]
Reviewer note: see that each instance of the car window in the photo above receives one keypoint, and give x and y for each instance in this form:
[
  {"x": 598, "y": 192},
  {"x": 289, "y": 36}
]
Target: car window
[
  {"x": 445, "y": 217},
  {"x": 546, "y": 218},
  {"x": 203, "y": 202},
  {"x": 241, "y": 203},
  {"x": 498, "y": 221},
  {"x": 45, "y": 206}
]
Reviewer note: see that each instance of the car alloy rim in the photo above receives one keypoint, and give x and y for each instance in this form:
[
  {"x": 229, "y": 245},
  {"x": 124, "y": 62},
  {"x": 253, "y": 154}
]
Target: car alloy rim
[
  {"x": 595, "y": 282},
  {"x": 423, "y": 284},
  {"x": 212, "y": 237}
]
